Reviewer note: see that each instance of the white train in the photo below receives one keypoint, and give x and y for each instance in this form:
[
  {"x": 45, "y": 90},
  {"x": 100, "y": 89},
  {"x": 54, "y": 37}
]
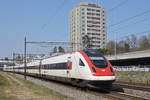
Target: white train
[{"x": 81, "y": 68}]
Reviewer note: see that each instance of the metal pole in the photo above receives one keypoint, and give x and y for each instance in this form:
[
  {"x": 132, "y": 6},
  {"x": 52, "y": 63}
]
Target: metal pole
[
  {"x": 13, "y": 61},
  {"x": 25, "y": 63},
  {"x": 115, "y": 51}
]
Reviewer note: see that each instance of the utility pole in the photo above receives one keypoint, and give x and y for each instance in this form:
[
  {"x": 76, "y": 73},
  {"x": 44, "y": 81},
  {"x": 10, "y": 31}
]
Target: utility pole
[
  {"x": 13, "y": 61},
  {"x": 115, "y": 48},
  {"x": 25, "y": 60}
]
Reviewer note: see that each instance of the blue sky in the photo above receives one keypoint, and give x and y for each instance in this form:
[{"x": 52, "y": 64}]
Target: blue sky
[{"x": 40, "y": 20}]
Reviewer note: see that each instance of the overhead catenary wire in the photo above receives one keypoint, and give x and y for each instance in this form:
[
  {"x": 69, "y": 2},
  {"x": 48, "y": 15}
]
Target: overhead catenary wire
[
  {"x": 112, "y": 10},
  {"x": 143, "y": 20},
  {"x": 50, "y": 43},
  {"x": 129, "y": 18},
  {"x": 138, "y": 33},
  {"x": 117, "y": 6},
  {"x": 54, "y": 15}
]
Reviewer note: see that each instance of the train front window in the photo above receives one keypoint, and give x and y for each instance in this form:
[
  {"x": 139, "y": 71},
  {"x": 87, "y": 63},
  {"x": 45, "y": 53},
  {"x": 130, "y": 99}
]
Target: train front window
[
  {"x": 81, "y": 63},
  {"x": 97, "y": 58}
]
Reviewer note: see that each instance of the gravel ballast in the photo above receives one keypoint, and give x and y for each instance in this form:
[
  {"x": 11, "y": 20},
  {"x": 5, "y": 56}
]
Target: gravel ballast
[{"x": 64, "y": 90}]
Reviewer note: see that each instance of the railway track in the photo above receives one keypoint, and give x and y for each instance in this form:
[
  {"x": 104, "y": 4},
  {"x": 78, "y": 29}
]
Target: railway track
[
  {"x": 134, "y": 89},
  {"x": 114, "y": 95},
  {"x": 125, "y": 96},
  {"x": 134, "y": 86},
  {"x": 99, "y": 95}
]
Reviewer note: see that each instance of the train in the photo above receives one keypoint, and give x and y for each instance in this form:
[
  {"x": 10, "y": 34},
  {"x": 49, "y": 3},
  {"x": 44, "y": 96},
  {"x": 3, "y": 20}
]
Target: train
[{"x": 83, "y": 68}]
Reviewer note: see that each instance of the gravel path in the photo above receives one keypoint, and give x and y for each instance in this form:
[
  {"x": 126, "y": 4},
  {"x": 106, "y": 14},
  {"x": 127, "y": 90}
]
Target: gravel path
[{"x": 64, "y": 90}]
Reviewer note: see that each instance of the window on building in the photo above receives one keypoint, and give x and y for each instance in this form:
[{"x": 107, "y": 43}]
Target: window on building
[
  {"x": 88, "y": 29},
  {"x": 98, "y": 14},
  {"x": 93, "y": 13},
  {"x": 88, "y": 33},
  {"x": 97, "y": 10},
  {"x": 89, "y": 13},
  {"x": 98, "y": 18},
  {"x": 88, "y": 9}
]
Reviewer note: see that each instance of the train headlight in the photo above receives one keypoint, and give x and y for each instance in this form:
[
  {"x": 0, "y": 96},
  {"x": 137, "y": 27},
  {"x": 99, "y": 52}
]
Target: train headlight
[{"x": 93, "y": 69}]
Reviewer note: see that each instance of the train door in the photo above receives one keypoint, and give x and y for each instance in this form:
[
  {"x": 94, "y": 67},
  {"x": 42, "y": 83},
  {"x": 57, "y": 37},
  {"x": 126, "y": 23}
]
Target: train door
[
  {"x": 83, "y": 68},
  {"x": 40, "y": 66},
  {"x": 77, "y": 70}
]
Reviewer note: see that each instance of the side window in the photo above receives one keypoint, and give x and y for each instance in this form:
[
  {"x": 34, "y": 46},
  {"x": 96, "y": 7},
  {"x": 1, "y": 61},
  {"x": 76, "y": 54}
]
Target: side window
[{"x": 81, "y": 63}]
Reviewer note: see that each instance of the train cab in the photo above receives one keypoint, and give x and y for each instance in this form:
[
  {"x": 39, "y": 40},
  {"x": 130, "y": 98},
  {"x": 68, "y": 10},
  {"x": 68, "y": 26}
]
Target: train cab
[{"x": 101, "y": 69}]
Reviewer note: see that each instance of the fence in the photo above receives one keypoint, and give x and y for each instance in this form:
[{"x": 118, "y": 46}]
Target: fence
[{"x": 131, "y": 68}]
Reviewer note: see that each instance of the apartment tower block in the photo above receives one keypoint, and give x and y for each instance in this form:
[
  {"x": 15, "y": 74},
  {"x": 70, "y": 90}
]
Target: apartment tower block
[{"x": 88, "y": 19}]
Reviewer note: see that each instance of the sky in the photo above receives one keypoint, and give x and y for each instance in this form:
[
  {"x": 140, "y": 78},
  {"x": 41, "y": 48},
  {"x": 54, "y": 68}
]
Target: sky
[{"x": 48, "y": 20}]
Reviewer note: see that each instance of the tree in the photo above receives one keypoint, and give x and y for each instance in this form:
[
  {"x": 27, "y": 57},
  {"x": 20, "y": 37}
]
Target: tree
[
  {"x": 144, "y": 43},
  {"x": 60, "y": 49},
  {"x": 6, "y": 58},
  {"x": 104, "y": 51},
  {"x": 18, "y": 58},
  {"x": 86, "y": 42},
  {"x": 123, "y": 46},
  {"x": 110, "y": 46},
  {"x": 132, "y": 41},
  {"x": 126, "y": 47},
  {"x": 55, "y": 50}
]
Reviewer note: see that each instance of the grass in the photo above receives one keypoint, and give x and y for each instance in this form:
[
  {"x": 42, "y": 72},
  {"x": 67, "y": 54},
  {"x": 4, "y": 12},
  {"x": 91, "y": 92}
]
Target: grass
[
  {"x": 14, "y": 88},
  {"x": 41, "y": 90},
  {"x": 4, "y": 89}
]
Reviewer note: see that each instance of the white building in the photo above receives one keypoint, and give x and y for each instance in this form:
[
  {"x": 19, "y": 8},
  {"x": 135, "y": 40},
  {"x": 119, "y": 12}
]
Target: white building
[{"x": 88, "y": 19}]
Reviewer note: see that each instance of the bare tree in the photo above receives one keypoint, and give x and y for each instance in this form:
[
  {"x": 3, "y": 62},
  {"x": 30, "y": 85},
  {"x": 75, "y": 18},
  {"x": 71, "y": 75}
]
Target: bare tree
[
  {"x": 123, "y": 46},
  {"x": 133, "y": 44},
  {"x": 144, "y": 43},
  {"x": 110, "y": 46},
  {"x": 132, "y": 41}
]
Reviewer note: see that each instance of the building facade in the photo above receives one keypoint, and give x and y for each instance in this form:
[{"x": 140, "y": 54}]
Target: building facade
[{"x": 87, "y": 19}]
